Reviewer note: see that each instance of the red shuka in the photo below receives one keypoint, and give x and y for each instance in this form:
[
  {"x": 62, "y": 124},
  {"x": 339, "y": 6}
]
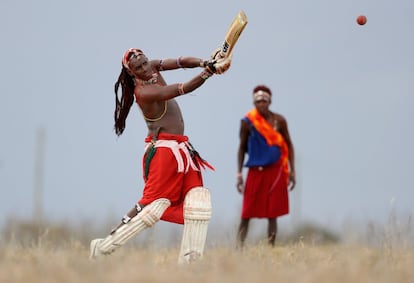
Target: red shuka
[
  {"x": 266, "y": 192},
  {"x": 164, "y": 180}
]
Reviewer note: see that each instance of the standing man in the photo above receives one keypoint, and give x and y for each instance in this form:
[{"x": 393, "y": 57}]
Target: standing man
[
  {"x": 264, "y": 137},
  {"x": 171, "y": 166}
]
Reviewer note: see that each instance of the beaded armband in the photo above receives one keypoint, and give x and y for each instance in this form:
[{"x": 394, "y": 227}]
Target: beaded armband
[{"x": 179, "y": 62}]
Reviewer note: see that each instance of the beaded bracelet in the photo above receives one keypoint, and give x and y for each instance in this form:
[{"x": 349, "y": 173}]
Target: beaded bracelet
[
  {"x": 161, "y": 67},
  {"x": 181, "y": 89},
  {"x": 205, "y": 74}
]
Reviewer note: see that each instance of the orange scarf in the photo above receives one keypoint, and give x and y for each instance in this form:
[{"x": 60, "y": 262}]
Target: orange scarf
[{"x": 271, "y": 136}]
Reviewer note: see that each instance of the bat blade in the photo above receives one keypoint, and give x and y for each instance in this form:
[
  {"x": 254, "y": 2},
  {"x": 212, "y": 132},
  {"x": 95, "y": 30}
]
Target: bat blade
[{"x": 233, "y": 34}]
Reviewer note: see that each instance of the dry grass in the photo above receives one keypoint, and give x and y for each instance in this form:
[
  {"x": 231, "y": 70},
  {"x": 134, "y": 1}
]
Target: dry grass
[
  {"x": 298, "y": 262},
  {"x": 31, "y": 253}
]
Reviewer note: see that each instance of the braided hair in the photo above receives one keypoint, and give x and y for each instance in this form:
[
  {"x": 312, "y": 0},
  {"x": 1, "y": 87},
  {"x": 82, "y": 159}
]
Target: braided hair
[{"x": 123, "y": 105}]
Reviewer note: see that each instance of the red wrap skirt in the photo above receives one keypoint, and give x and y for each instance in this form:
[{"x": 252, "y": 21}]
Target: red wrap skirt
[
  {"x": 164, "y": 180},
  {"x": 266, "y": 192}
]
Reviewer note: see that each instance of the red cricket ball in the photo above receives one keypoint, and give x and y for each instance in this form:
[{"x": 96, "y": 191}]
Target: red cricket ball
[{"x": 361, "y": 20}]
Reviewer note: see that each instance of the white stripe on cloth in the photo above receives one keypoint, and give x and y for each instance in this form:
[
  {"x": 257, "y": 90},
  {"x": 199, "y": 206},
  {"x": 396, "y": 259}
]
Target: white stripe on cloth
[{"x": 175, "y": 148}]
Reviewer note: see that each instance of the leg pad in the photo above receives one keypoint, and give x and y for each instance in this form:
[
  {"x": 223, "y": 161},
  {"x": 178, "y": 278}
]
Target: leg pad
[
  {"x": 149, "y": 215},
  {"x": 197, "y": 214}
]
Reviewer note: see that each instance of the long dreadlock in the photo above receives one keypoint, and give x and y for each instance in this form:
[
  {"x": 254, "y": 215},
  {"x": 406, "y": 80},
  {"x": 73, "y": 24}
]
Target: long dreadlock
[{"x": 123, "y": 105}]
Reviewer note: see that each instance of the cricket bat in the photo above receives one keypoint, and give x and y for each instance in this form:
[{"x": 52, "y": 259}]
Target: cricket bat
[{"x": 233, "y": 34}]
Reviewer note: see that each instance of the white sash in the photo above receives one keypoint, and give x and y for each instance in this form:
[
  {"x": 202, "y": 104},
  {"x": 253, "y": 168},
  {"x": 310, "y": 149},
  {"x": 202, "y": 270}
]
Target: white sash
[{"x": 175, "y": 148}]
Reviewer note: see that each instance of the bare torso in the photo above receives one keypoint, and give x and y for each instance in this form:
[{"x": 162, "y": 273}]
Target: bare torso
[
  {"x": 172, "y": 122},
  {"x": 160, "y": 116}
]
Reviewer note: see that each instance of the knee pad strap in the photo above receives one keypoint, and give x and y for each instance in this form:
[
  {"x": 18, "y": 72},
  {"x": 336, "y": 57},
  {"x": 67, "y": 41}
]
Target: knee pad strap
[{"x": 197, "y": 204}]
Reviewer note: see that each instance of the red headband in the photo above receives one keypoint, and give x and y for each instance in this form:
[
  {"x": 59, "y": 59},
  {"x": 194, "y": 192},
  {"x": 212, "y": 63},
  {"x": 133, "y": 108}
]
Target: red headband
[{"x": 135, "y": 51}]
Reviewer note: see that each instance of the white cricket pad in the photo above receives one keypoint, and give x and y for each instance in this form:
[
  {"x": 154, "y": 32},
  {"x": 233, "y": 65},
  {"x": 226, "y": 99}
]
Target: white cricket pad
[
  {"x": 149, "y": 215},
  {"x": 197, "y": 214}
]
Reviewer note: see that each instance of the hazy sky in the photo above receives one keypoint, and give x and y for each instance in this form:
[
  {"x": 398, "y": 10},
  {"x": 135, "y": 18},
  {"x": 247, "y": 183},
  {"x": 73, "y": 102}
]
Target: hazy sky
[{"x": 346, "y": 91}]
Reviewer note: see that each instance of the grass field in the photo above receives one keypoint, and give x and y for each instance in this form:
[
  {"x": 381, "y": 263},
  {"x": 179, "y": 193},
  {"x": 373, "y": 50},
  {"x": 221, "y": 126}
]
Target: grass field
[
  {"x": 256, "y": 263},
  {"x": 31, "y": 253}
]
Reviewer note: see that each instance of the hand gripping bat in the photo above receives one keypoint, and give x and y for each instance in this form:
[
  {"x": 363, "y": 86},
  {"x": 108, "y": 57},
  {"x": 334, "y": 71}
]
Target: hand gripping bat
[{"x": 220, "y": 59}]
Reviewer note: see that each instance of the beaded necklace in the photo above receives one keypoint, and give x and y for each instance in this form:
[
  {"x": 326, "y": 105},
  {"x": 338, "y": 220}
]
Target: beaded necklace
[{"x": 151, "y": 81}]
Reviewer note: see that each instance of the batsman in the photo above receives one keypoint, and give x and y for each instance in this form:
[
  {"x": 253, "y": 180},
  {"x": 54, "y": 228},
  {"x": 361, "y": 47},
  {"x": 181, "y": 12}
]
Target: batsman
[
  {"x": 171, "y": 167},
  {"x": 174, "y": 189}
]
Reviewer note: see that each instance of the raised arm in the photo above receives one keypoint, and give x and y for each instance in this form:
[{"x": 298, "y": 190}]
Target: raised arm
[
  {"x": 180, "y": 62},
  {"x": 214, "y": 65},
  {"x": 153, "y": 93}
]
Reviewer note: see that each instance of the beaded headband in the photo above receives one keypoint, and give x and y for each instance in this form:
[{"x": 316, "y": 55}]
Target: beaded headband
[
  {"x": 261, "y": 95},
  {"x": 135, "y": 53}
]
